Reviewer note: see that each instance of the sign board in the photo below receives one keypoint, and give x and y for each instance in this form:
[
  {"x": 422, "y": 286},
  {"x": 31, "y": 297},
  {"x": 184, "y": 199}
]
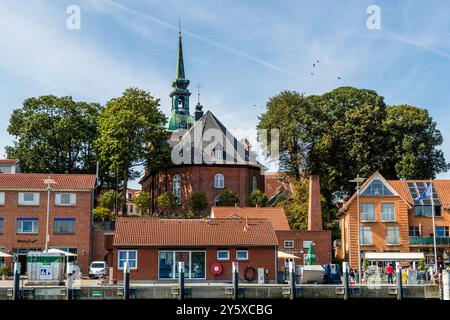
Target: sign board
[{"x": 261, "y": 275}]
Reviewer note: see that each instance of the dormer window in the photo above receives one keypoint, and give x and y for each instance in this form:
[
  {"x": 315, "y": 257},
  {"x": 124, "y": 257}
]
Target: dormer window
[
  {"x": 218, "y": 154},
  {"x": 377, "y": 188}
]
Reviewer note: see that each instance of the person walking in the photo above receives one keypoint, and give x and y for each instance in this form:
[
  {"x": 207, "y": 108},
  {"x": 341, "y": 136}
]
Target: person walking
[
  {"x": 352, "y": 275},
  {"x": 390, "y": 272}
]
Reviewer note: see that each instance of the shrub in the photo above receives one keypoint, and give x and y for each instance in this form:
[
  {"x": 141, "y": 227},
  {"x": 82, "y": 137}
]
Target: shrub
[
  {"x": 198, "y": 202},
  {"x": 144, "y": 202},
  {"x": 165, "y": 202},
  {"x": 227, "y": 198},
  {"x": 257, "y": 198},
  {"x": 102, "y": 214}
]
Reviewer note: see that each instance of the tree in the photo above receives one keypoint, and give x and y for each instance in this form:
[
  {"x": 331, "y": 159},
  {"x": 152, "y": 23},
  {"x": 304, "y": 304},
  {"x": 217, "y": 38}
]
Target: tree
[
  {"x": 131, "y": 134},
  {"x": 198, "y": 202},
  {"x": 54, "y": 134},
  {"x": 111, "y": 200},
  {"x": 102, "y": 214},
  {"x": 227, "y": 198},
  {"x": 166, "y": 202},
  {"x": 257, "y": 198},
  {"x": 144, "y": 202}
]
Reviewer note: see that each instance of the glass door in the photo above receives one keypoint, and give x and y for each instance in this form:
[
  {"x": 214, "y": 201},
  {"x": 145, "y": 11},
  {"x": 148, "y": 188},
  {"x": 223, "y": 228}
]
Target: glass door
[{"x": 182, "y": 256}]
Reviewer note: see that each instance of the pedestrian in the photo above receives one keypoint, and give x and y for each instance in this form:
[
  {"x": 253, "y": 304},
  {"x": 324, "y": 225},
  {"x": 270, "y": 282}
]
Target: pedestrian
[
  {"x": 389, "y": 272},
  {"x": 352, "y": 275}
]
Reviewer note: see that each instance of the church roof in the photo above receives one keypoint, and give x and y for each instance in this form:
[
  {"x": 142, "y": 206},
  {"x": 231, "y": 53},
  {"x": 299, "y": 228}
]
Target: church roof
[{"x": 206, "y": 136}]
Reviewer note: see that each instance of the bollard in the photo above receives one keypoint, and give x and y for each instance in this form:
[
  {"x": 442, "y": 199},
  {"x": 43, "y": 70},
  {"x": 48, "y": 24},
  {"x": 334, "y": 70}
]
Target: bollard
[
  {"x": 446, "y": 285},
  {"x": 70, "y": 274},
  {"x": 235, "y": 280},
  {"x": 180, "y": 280},
  {"x": 16, "y": 288},
  {"x": 292, "y": 280},
  {"x": 345, "y": 279},
  {"x": 399, "y": 284},
  {"x": 126, "y": 281},
  {"x": 110, "y": 276}
]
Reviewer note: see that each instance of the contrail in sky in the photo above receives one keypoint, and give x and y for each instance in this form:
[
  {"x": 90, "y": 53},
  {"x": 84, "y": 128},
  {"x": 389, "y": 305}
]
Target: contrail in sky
[{"x": 199, "y": 37}]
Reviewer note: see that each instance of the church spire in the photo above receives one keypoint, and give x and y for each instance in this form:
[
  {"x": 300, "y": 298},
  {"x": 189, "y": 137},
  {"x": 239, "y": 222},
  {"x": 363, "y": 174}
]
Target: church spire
[{"x": 180, "y": 61}]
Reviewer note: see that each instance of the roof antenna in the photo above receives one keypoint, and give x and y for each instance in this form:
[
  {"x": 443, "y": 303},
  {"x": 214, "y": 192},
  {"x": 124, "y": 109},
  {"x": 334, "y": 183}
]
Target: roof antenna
[
  {"x": 198, "y": 93},
  {"x": 179, "y": 24}
]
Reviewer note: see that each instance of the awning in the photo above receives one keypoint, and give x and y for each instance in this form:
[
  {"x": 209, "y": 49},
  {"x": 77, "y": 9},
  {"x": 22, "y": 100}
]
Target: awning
[
  {"x": 4, "y": 255},
  {"x": 285, "y": 255},
  {"x": 394, "y": 256},
  {"x": 67, "y": 254}
]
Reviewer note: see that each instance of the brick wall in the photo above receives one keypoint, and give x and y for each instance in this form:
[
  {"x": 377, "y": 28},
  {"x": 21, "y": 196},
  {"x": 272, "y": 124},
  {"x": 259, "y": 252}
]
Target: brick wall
[{"x": 81, "y": 239}]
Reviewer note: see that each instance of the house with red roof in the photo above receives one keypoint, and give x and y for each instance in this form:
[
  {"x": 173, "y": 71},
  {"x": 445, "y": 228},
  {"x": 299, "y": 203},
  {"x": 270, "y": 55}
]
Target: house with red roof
[
  {"x": 393, "y": 221},
  {"x": 23, "y": 212}
]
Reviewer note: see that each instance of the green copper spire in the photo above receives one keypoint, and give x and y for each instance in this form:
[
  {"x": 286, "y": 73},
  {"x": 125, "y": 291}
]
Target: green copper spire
[{"x": 180, "y": 117}]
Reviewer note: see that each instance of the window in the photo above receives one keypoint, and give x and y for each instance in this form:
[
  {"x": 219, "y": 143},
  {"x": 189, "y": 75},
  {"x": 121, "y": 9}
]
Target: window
[
  {"x": 2, "y": 198},
  {"x": 377, "y": 188},
  {"x": 64, "y": 225},
  {"x": 218, "y": 154},
  {"x": 223, "y": 255},
  {"x": 392, "y": 235},
  {"x": 28, "y": 198},
  {"x": 441, "y": 232},
  {"x": 365, "y": 235},
  {"x": 388, "y": 211},
  {"x": 414, "y": 231},
  {"x": 368, "y": 212},
  {"x": 426, "y": 211},
  {"x": 130, "y": 210},
  {"x": 219, "y": 181},
  {"x": 129, "y": 195},
  {"x": 176, "y": 188},
  {"x": 289, "y": 244},
  {"x": 194, "y": 264},
  {"x": 1, "y": 225},
  {"x": 65, "y": 199},
  {"x": 241, "y": 254},
  {"x": 27, "y": 225},
  {"x": 129, "y": 256},
  {"x": 254, "y": 184},
  {"x": 306, "y": 244}
]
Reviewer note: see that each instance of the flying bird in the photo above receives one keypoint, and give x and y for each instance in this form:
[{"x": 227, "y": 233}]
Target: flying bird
[
  {"x": 314, "y": 65},
  {"x": 339, "y": 78}
]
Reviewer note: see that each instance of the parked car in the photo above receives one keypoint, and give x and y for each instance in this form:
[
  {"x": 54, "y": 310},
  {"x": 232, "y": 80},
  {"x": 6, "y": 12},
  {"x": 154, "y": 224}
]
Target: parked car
[{"x": 98, "y": 269}]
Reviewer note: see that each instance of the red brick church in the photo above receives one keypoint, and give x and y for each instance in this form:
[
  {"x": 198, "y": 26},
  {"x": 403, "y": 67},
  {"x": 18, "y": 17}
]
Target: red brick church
[{"x": 206, "y": 157}]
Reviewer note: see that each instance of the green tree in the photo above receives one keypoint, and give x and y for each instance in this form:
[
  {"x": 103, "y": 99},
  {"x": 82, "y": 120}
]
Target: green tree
[
  {"x": 102, "y": 214},
  {"x": 166, "y": 202},
  {"x": 54, "y": 134},
  {"x": 111, "y": 200},
  {"x": 198, "y": 202},
  {"x": 227, "y": 198},
  {"x": 257, "y": 198},
  {"x": 131, "y": 134},
  {"x": 144, "y": 202}
]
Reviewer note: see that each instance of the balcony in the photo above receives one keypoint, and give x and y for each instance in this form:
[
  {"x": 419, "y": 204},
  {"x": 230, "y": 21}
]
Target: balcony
[{"x": 428, "y": 241}]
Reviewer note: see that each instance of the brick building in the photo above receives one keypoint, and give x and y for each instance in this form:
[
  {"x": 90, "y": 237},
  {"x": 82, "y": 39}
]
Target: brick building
[
  {"x": 23, "y": 208},
  {"x": 152, "y": 247},
  {"x": 391, "y": 220},
  {"x": 206, "y": 157}
]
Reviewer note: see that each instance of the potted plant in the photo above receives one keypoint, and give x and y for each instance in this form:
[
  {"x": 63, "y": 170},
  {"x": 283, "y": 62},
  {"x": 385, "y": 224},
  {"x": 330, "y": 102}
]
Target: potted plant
[
  {"x": 422, "y": 268},
  {"x": 4, "y": 271}
]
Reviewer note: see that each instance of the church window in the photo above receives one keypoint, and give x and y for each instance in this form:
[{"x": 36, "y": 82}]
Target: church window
[
  {"x": 219, "y": 181},
  {"x": 254, "y": 184},
  {"x": 176, "y": 188}
]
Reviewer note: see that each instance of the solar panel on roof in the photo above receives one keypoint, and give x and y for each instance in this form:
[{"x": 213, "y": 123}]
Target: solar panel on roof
[{"x": 417, "y": 188}]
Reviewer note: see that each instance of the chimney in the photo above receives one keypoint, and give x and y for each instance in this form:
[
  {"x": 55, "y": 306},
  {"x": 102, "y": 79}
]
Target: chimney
[{"x": 314, "y": 209}]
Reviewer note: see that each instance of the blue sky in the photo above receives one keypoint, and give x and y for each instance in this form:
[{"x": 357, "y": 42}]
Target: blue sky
[{"x": 241, "y": 53}]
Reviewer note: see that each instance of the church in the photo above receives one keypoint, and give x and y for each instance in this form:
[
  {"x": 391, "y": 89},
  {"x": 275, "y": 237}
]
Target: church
[{"x": 205, "y": 157}]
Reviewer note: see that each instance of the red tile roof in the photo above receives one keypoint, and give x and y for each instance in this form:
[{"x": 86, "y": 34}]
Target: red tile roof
[
  {"x": 275, "y": 215},
  {"x": 147, "y": 231},
  {"x": 35, "y": 181},
  {"x": 8, "y": 161}
]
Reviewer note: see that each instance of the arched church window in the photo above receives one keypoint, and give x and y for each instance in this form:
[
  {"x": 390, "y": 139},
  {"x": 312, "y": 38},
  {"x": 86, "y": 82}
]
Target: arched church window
[
  {"x": 176, "y": 188},
  {"x": 219, "y": 181},
  {"x": 254, "y": 184}
]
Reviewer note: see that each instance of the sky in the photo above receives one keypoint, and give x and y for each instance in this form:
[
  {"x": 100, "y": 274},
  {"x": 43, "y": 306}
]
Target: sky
[{"x": 241, "y": 53}]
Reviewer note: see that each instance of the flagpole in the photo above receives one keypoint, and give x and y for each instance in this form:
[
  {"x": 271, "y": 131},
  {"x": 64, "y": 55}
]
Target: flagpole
[{"x": 434, "y": 228}]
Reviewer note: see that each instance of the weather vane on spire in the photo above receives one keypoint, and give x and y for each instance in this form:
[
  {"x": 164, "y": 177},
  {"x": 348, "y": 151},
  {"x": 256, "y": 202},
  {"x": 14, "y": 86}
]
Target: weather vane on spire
[{"x": 198, "y": 92}]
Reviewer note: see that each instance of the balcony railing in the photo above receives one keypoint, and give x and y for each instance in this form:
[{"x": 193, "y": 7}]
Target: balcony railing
[
  {"x": 105, "y": 225},
  {"x": 428, "y": 241}
]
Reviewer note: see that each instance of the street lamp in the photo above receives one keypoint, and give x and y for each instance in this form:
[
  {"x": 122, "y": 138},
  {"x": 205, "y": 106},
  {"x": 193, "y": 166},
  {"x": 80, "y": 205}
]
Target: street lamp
[
  {"x": 49, "y": 183},
  {"x": 358, "y": 180}
]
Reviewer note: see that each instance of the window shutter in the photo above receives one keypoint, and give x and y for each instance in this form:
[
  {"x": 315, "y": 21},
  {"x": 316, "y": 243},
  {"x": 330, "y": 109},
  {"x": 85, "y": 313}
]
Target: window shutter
[
  {"x": 36, "y": 198},
  {"x": 73, "y": 199},
  {"x": 20, "y": 197},
  {"x": 58, "y": 199}
]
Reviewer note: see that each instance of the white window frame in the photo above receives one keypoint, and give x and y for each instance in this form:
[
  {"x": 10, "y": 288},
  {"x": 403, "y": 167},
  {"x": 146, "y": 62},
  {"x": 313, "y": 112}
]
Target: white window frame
[
  {"x": 72, "y": 202},
  {"x": 22, "y": 202},
  {"x": 306, "y": 244},
  {"x": 397, "y": 234},
  {"x": 241, "y": 251},
  {"x": 363, "y": 213},
  {"x": 35, "y": 221},
  {"x": 289, "y": 241},
  {"x": 368, "y": 234},
  {"x": 393, "y": 218},
  {"x": 223, "y": 259},
  {"x": 219, "y": 181},
  {"x": 127, "y": 259},
  {"x": 2, "y": 198}
]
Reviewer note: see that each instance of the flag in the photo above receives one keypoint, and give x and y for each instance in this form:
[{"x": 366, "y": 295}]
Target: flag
[{"x": 427, "y": 193}]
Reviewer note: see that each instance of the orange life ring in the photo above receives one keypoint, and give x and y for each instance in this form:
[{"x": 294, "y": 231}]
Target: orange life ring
[{"x": 216, "y": 269}]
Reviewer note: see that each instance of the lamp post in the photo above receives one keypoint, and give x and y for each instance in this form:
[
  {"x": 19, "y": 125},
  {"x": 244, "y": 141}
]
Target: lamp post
[
  {"x": 434, "y": 228},
  {"x": 358, "y": 180},
  {"x": 49, "y": 183}
]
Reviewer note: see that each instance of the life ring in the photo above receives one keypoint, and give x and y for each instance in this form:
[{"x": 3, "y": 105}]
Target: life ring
[
  {"x": 252, "y": 275},
  {"x": 216, "y": 269}
]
